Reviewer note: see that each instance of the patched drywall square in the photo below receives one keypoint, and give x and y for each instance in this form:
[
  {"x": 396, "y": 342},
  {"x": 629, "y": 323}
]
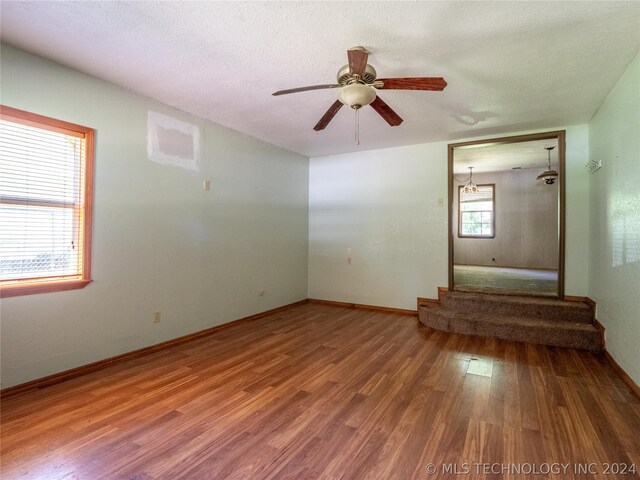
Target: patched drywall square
[{"x": 173, "y": 142}]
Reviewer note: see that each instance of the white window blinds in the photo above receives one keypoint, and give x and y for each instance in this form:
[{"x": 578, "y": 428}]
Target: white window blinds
[
  {"x": 476, "y": 212},
  {"x": 484, "y": 194},
  {"x": 42, "y": 187}
]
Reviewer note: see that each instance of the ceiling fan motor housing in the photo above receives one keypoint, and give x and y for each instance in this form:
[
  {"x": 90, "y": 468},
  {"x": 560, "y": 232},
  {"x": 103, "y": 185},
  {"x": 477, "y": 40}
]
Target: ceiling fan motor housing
[{"x": 344, "y": 76}]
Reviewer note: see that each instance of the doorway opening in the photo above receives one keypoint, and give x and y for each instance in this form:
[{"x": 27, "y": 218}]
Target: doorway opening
[{"x": 506, "y": 215}]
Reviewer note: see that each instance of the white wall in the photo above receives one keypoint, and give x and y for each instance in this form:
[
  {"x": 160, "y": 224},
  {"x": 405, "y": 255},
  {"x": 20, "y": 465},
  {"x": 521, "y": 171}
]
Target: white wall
[
  {"x": 160, "y": 241},
  {"x": 614, "y": 138},
  {"x": 383, "y": 204},
  {"x": 526, "y": 223}
]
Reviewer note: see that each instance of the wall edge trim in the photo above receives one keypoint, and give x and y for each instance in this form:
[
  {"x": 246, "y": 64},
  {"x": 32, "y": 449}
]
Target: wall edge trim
[
  {"x": 360, "y": 306},
  {"x": 635, "y": 388}
]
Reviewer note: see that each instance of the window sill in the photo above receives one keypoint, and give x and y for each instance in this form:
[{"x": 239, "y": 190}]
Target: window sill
[
  {"x": 462, "y": 235},
  {"x": 477, "y": 236},
  {"x": 44, "y": 287}
]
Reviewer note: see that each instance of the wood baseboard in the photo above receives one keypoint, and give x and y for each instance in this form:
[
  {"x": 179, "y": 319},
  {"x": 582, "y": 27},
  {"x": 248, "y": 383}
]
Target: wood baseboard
[
  {"x": 441, "y": 292},
  {"x": 587, "y": 300},
  {"x": 433, "y": 302},
  {"x": 100, "y": 364},
  {"x": 616, "y": 366},
  {"x": 625, "y": 376},
  {"x": 601, "y": 329},
  {"x": 400, "y": 311},
  {"x": 428, "y": 302}
]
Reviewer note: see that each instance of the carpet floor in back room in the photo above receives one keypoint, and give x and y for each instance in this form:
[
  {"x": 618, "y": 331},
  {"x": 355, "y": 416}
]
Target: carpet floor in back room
[{"x": 520, "y": 281}]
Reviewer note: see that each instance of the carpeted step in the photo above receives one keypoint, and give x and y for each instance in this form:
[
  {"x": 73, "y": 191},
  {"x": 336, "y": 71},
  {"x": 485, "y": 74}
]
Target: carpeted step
[
  {"x": 517, "y": 306},
  {"x": 557, "y": 333}
]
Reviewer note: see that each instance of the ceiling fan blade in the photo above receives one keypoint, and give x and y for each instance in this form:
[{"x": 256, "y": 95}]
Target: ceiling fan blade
[
  {"x": 385, "y": 111},
  {"x": 305, "y": 89},
  {"x": 418, "y": 83},
  {"x": 358, "y": 57},
  {"x": 328, "y": 116}
]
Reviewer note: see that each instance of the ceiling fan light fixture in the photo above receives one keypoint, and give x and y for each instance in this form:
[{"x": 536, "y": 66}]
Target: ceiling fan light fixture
[
  {"x": 549, "y": 176},
  {"x": 358, "y": 80},
  {"x": 357, "y": 95}
]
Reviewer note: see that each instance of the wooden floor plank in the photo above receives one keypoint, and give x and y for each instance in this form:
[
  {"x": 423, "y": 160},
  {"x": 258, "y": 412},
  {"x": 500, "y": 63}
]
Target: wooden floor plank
[{"x": 321, "y": 391}]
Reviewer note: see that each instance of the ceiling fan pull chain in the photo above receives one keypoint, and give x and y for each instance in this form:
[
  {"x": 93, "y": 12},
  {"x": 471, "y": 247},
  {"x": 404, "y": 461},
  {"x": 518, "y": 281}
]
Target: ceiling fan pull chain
[{"x": 357, "y": 126}]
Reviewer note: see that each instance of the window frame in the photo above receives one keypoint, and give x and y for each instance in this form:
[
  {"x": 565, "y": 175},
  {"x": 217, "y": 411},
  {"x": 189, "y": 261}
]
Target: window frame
[
  {"x": 29, "y": 286},
  {"x": 493, "y": 213}
]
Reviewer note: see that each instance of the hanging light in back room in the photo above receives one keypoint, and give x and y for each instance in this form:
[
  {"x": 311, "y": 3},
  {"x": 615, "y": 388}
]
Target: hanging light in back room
[
  {"x": 470, "y": 187},
  {"x": 549, "y": 176}
]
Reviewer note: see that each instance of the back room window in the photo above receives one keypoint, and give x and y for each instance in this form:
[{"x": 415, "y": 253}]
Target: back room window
[
  {"x": 476, "y": 212},
  {"x": 46, "y": 189}
]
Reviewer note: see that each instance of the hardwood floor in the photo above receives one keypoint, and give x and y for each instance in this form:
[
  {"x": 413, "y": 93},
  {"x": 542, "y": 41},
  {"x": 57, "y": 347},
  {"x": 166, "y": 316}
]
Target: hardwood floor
[{"x": 319, "y": 391}]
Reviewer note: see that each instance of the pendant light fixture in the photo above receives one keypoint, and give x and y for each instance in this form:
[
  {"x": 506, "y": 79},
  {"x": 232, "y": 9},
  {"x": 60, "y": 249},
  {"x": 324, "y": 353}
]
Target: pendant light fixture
[
  {"x": 549, "y": 176},
  {"x": 470, "y": 187}
]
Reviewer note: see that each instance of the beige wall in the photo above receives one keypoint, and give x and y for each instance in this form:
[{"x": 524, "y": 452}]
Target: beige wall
[{"x": 526, "y": 234}]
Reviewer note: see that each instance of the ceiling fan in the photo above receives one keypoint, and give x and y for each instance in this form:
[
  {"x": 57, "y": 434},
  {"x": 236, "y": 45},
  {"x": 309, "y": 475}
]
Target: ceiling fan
[{"x": 358, "y": 84}]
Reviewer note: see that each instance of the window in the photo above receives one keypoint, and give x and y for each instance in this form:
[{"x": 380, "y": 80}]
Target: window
[
  {"x": 476, "y": 212},
  {"x": 46, "y": 189}
]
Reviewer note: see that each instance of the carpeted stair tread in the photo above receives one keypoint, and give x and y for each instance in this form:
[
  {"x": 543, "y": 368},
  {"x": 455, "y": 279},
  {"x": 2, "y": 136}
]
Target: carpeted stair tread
[
  {"x": 514, "y": 299},
  {"x": 515, "y": 320},
  {"x": 570, "y": 334},
  {"x": 534, "y": 307}
]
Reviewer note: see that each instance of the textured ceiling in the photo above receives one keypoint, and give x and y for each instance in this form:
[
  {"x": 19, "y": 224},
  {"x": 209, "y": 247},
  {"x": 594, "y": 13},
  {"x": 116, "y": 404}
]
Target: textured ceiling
[{"x": 510, "y": 66}]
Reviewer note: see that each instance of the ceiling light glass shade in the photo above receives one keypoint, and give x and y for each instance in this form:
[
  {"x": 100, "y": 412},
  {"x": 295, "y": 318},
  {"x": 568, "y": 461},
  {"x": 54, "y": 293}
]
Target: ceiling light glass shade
[
  {"x": 549, "y": 176},
  {"x": 357, "y": 95}
]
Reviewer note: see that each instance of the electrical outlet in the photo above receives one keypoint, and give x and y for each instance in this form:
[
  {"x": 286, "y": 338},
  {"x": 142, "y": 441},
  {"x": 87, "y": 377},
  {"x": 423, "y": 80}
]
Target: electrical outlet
[
  {"x": 441, "y": 202},
  {"x": 156, "y": 317},
  {"x": 206, "y": 185},
  {"x": 260, "y": 293}
]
